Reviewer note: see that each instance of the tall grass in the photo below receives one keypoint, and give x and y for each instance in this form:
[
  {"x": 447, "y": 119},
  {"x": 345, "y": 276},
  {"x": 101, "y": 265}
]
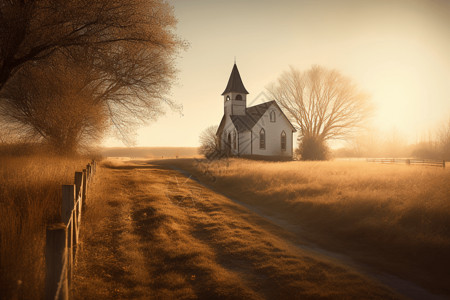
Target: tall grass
[
  {"x": 398, "y": 214},
  {"x": 30, "y": 198}
]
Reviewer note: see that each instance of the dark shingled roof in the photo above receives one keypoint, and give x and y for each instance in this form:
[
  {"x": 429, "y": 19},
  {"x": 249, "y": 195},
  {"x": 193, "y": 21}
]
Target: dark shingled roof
[
  {"x": 235, "y": 84},
  {"x": 243, "y": 123},
  {"x": 252, "y": 116}
]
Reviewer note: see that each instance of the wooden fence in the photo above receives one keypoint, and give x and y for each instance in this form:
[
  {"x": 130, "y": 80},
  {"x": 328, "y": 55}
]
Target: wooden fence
[
  {"x": 62, "y": 238},
  {"x": 423, "y": 162}
]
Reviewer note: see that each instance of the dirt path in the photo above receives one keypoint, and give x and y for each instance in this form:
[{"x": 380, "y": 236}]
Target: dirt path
[{"x": 151, "y": 233}]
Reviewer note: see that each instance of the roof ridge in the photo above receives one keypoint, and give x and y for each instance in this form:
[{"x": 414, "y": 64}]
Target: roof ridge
[{"x": 264, "y": 103}]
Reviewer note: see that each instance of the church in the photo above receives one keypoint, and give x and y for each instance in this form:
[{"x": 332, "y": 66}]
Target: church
[{"x": 260, "y": 131}]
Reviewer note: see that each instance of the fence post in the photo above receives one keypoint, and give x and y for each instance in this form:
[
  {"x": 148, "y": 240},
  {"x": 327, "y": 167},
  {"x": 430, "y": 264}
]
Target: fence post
[
  {"x": 88, "y": 170},
  {"x": 67, "y": 206},
  {"x": 79, "y": 193},
  {"x": 408, "y": 161},
  {"x": 443, "y": 163},
  {"x": 78, "y": 184},
  {"x": 68, "y": 201},
  {"x": 55, "y": 254},
  {"x": 84, "y": 193},
  {"x": 93, "y": 167},
  {"x": 62, "y": 238},
  {"x": 74, "y": 234}
]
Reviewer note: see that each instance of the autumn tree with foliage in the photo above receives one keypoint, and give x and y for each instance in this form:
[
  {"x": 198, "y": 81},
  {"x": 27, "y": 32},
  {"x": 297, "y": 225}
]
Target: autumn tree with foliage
[
  {"x": 323, "y": 105},
  {"x": 114, "y": 59},
  {"x": 54, "y": 104}
]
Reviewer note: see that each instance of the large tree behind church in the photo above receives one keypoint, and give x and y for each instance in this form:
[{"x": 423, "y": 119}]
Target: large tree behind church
[
  {"x": 323, "y": 105},
  {"x": 121, "y": 51}
]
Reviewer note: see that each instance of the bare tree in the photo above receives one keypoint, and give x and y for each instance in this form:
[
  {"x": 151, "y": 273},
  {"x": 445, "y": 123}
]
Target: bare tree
[
  {"x": 322, "y": 104},
  {"x": 209, "y": 142},
  {"x": 444, "y": 140},
  {"x": 117, "y": 56},
  {"x": 133, "y": 82},
  {"x": 434, "y": 144},
  {"x": 33, "y": 30}
]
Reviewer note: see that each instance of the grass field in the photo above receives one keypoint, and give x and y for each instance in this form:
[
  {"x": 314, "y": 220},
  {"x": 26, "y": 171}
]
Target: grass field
[
  {"x": 394, "y": 216},
  {"x": 30, "y": 198}
]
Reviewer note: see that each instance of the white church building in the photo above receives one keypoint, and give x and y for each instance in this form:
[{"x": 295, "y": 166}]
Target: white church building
[{"x": 261, "y": 131}]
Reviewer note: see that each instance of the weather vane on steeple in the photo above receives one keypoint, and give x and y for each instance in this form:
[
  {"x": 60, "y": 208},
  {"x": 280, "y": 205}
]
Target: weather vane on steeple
[{"x": 235, "y": 59}]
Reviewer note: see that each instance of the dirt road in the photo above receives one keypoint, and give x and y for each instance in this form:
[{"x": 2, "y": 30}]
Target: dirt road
[{"x": 151, "y": 233}]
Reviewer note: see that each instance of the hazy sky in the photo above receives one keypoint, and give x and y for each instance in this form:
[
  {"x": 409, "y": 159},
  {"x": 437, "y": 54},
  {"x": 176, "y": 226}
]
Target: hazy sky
[{"x": 396, "y": 50}]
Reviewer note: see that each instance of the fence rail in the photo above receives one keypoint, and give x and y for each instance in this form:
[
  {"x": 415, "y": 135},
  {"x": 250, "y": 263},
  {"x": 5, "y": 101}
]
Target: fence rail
[
  {"x": 409, "y": 161},
  {"x": 62, "y": 238}
]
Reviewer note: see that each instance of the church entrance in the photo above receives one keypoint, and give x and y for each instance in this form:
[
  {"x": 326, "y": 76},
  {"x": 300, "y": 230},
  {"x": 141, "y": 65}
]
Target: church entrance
[{"x": 228, "y": 145}]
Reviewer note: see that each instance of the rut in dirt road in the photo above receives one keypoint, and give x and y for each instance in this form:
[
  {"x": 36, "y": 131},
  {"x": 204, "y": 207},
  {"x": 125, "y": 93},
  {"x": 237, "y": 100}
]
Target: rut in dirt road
[{"x": 151, "y": 233}]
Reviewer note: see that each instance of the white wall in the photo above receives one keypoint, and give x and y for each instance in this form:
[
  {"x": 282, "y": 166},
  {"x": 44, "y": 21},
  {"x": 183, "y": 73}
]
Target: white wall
[{"x": 273, "y": 134}]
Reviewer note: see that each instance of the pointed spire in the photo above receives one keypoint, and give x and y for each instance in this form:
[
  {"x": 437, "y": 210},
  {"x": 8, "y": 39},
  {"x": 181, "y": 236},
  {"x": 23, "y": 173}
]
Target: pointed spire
[{"x": 235, "y": 84}]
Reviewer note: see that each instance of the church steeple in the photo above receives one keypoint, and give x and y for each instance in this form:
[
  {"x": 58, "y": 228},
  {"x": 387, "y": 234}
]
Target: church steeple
[
  {"x": 235, "y": 95},
  {"x": 235, "y": 84}
]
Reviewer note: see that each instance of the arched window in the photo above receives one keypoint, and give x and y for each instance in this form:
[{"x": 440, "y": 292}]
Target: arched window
[
  {"x": 262, "y": 139},
  {"x": 228, "y": 98},
  {"x": 283, "y": 141},
  {"x": 234, "y": 140},
  {"x": 238, "y": 97},
  {"x": 272, "y": 116}
]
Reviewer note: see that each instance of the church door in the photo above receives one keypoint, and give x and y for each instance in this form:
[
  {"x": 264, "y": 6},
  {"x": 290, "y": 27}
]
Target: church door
[{"x": 228, "y": 145}]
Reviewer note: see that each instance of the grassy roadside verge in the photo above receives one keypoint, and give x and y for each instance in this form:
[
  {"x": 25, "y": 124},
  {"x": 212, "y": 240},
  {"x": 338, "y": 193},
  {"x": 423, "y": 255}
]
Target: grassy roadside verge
[
  {"x": 30, "y": 198},
  {"x": 394, "y": 217}
]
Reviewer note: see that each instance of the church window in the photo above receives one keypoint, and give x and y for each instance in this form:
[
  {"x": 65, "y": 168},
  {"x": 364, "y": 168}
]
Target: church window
[
  {"x": 228, "y": 98},
  {"x": 234, "y": 140},
  {"x": 238, "y": 97},
  {"x": 272, "y": 116},
  {"x": 283, "y": 141},
  {"x": 262, "y": 139}
]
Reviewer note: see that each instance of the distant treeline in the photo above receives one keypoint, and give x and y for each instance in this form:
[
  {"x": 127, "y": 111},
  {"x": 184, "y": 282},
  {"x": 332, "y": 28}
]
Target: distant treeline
[
  {"x": 374, "y": 143},
  {"x": 149, "y": 152}
]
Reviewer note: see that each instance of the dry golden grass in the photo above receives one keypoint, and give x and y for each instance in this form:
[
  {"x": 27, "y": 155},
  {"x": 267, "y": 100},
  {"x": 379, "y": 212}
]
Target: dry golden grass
[
  {"x": 151, "y": 233},
  {"x": 30, "y": 198},
  {"x": 393, "y": 216}
]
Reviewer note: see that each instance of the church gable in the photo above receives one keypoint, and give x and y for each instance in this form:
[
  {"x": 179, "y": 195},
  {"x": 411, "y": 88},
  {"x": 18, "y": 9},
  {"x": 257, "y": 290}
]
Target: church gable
[
  {"x": 273, "y": 133},
  {"x": 269, "y": 110}
]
